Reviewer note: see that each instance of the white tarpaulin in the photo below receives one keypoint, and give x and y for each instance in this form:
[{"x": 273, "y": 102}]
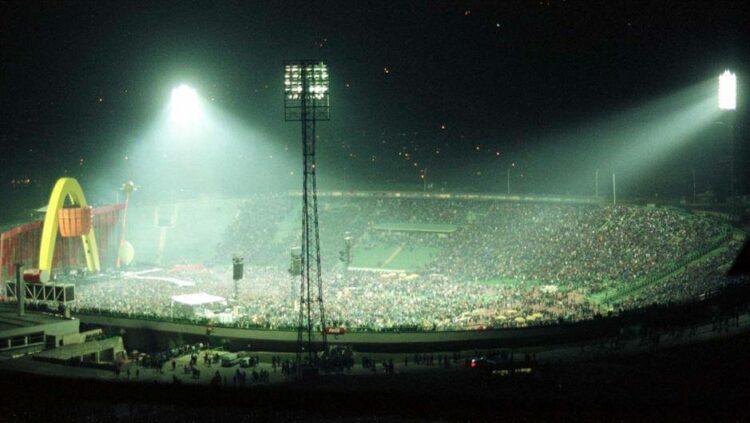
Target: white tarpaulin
[
  {"x": 200, "y": 298},
  {"x": 144, "y": 275}
]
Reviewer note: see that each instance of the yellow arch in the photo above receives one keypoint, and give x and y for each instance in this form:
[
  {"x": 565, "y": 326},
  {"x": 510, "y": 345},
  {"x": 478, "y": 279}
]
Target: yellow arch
[{"x": 65, "y": 187}]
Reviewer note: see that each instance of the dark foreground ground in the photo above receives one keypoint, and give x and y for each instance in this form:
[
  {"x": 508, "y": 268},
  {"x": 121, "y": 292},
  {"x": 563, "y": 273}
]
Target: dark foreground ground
[{"x": 700, "y": 382}]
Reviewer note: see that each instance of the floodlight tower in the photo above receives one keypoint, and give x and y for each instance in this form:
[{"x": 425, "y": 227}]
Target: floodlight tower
[
  {"x": 306, "y": 101},
  {"x": 728, "y": 103}
]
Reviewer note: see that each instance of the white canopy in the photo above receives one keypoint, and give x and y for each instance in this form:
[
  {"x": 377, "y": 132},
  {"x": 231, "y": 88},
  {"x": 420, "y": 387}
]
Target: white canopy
[{"x": 198, "y": 299}]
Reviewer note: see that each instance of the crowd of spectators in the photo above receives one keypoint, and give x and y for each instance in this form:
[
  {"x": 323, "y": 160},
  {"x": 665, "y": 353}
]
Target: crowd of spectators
[
  {"x": 505, "y": 265},
  {"x": 573, "y": 245},
  {"x": 356, "y": 301},
  {"x": 696, "y": 280}
]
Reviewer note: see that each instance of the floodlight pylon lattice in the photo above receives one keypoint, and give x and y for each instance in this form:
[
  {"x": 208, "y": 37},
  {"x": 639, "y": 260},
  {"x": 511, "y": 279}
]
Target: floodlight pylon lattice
[{"x": 306, "y": 100}]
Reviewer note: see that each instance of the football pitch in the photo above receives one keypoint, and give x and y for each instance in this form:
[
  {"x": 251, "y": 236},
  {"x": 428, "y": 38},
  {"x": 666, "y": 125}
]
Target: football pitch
[{"x": 405, "y": 256}]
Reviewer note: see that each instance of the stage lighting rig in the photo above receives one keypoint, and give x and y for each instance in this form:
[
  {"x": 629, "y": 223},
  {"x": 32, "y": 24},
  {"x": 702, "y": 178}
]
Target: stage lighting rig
[{"x": 238, "y": 272}]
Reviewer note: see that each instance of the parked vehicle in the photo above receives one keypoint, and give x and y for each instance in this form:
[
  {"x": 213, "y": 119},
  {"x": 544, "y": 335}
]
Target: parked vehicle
[{"x": 229, "y": 360}]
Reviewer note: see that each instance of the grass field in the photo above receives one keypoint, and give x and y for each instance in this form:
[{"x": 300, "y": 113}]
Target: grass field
[{"x": 406, "y": 257}]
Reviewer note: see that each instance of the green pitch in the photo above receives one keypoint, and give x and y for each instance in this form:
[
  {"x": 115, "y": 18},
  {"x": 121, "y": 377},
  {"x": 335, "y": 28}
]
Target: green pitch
[{"x": 393, "y": 256}]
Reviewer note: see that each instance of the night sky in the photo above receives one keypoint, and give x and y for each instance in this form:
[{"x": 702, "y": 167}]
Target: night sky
[{"x": 454, "y": 90}]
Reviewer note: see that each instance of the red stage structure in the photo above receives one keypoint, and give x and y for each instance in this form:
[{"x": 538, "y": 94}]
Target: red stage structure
[{"x": 21, "y": 244}]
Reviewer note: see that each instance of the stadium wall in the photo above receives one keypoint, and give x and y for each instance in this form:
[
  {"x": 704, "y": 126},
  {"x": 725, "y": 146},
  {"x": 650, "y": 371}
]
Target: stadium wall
[{"x": 155, "y": 335}]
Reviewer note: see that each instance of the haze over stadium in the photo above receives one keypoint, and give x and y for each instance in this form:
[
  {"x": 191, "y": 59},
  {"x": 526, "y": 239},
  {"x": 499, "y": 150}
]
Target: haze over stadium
[{"x": 311, "y": 187}]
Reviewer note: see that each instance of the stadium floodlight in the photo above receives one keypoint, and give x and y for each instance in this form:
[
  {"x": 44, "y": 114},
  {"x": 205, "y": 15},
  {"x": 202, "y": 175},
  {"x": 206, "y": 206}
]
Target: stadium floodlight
[
  {"x": 306, "y": 101},
  {"x": 184, "y": 106},
  {"x": 727, "y": 91},
  {"x": 306, "y": 87}
]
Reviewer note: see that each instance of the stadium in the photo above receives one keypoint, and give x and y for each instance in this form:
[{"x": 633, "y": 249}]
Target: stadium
[
  {"x": 251, "y": 211},
  {"x": 403, "y": 271},
  {"x": 432, "y": 250}
]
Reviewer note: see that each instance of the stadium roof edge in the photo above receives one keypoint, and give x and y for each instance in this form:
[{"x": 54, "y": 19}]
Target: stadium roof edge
[{"x": 457, "y": 196}]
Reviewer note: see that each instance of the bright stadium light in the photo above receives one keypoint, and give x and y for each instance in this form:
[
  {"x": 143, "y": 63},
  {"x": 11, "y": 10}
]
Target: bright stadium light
[
  {"x": 310, "y": 76},
  {"x": 727, "y": 91},
  {"x": 184, "y": 106}
]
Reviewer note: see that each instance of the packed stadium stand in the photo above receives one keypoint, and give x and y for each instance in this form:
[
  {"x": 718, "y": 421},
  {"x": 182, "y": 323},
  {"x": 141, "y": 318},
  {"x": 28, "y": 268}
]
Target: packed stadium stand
[{"x": 419, "y": 264}]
